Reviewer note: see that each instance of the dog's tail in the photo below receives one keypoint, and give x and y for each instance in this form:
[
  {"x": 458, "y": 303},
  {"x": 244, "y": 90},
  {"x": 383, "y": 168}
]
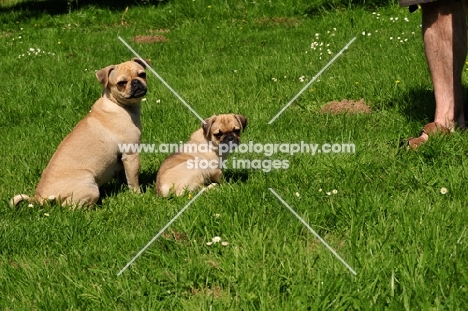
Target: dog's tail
[{"x": 18, "y": 198}]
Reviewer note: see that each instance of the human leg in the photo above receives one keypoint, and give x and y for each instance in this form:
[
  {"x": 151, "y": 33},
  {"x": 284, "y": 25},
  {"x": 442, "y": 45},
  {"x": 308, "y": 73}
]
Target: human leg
[{"x": 445, "y": 45}]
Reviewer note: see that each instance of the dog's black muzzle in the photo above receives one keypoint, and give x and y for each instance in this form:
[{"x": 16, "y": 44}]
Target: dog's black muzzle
[
  {"x": 229, "y": 143},
  {"x": 138, "y": 88}
]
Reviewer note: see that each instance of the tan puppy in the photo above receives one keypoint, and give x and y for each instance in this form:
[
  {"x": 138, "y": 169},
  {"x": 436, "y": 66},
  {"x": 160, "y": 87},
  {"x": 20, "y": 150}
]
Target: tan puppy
[
  {"x": 202, "y": 157},
  {"x": 90, "y": 155}
]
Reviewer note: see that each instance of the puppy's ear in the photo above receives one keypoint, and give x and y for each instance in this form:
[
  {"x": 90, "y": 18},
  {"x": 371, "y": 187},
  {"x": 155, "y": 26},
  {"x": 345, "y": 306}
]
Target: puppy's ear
[
  {"x": 207, "y": 125},
  {"x": 139, "y": 61},
  {"x": 242, "y": 120},
  {"x": 103, "y": 75}
]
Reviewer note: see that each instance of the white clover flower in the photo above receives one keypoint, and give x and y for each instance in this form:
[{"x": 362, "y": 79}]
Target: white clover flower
[
  {"x": 297, "y": 194},
  {"x": 209, "y": 243},
  {"x": 329, "y": 193},
  {"x": 216, "y": 239},
  {"x": 274, "y": 79},
  {"x": 224, "y": 243},
  {"x": 334, "y": 191},
  {"x": 30, "y": 205},
  {"x": 443, "y": 190}
]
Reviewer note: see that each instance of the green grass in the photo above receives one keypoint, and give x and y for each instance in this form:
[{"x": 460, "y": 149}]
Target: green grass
[{"x": 389, "y": 221}]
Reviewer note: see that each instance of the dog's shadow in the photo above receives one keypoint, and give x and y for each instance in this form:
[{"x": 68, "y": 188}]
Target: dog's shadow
[
  {"x": 234, "y": 176},
  {"x": 147, "y": 182},
  {"x": 119, "y": 184}
]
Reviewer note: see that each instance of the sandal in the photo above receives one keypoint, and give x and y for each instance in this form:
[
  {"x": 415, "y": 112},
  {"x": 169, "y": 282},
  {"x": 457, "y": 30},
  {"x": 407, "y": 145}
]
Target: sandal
[{"x": 430, "y": 129}]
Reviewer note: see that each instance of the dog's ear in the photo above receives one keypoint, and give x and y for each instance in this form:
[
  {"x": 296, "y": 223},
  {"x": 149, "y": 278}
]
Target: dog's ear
[
  {"x": 103, "y": 75},
  {"x": 207, "y": 125},
  {"x": 142, "y": 63},
  {"x": 242, "y": 121}
]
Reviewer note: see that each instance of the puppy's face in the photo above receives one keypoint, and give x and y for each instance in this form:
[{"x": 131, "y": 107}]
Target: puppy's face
[
  {"x": 224, "y": 129},
  {"x": 125, "y": 82}
]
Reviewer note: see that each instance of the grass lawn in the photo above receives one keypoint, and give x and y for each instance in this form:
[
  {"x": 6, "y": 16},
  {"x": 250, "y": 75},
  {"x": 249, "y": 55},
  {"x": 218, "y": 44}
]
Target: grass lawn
[{"x": 389, "y": 217}]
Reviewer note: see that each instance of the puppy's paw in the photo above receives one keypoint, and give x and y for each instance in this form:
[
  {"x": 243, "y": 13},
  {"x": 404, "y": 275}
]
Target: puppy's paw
[
  {"x": 135, "y": 189},
  {"x": 210, "y": 186}
]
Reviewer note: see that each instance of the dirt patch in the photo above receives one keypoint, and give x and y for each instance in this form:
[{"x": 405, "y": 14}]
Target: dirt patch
[
  {"x": 216, "y": 291},
  {"x": 149, "y": 39},
  {"x": 346, "y": 106},
  {"x": 279, "y": 21},
  {"x": 176, "y": 235}
]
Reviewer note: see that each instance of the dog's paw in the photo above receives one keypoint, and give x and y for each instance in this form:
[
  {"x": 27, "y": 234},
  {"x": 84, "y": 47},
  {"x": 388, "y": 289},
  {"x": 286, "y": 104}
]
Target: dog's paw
[
  {"x": 135, "y": 189},
  {"x": 210, "y": 186}
]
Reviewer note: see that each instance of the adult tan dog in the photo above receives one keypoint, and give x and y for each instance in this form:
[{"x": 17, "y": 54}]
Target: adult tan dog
[
  {"x": 202, "y": 157},
  {"x": 90, "y": 155}
]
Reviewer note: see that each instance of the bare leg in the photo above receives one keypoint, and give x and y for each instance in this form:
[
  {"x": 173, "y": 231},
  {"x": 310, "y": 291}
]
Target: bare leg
[
  {"x": 444, "y": 31},
  {"x": 445, "y": 45}
]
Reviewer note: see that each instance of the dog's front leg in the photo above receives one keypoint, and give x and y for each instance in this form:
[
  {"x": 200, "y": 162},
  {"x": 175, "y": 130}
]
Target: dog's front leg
[{"x": 131, "y": 164}]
